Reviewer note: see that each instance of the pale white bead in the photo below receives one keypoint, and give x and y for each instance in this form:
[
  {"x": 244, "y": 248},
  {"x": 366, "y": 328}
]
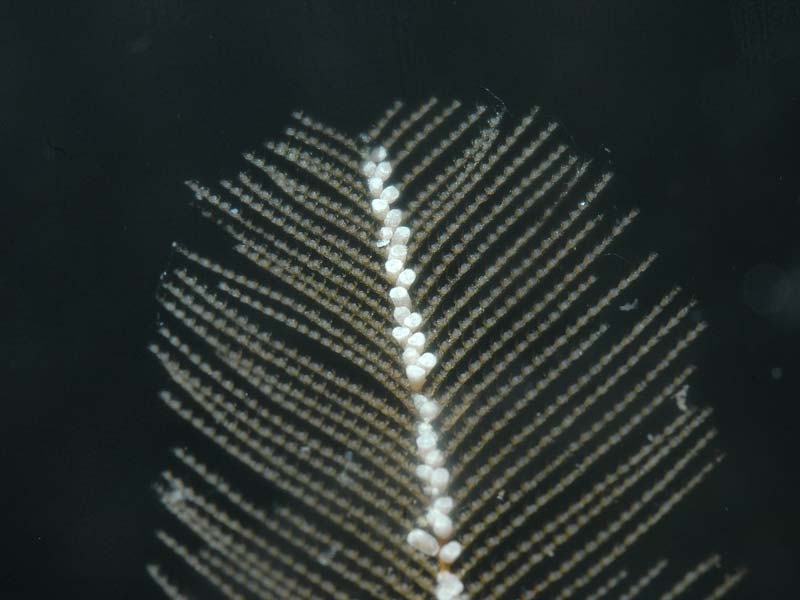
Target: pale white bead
[
  {"x": 450, "y": 552},
  {"x": 423, "y": 541},
  {"x": 429, "y": 410},
  {"x": 401, "y": 235},
  {"x": 398, "y": 251},
  {"x": 440, "y": 478},
  {"x": 413, "y": 321},
  {"x": 424, "y": 472},
  {"x": 442, "y": 526},
  {"x": 425, "y": 443},
  {"x": 385, "y": 233},
  {"x": 393, "y": 268},
  {"x": 416, "y": 377},
  {"x": 378, "y": 154},
  {"x": 427, "y": 360},
  {"x": 444, "y": 504},
  {"x": 418, "y": 339},
  {"x": 410, "y": 356},
  {"x": 407, "y": 277},
  {"x": 400, "y": 314},
  {"x": 383, "y": 170},
  {"x": 434, "y": 458},
  {"x": 368, "y": 168},
  {"x": 431, "y": 514},
  {"x": 393, "y": 217},
  {"x": 390, "y": 194},
  {"x": 380, "y": 208},
  {"x": 399, "y": 297},
  {"x": 418, "y": 400},
  {"x": 448, "y": 586},
  {"x": 375, "y": 185},
  {"x": 424, "y": 428},
  {"x": 401, "y": 334}
]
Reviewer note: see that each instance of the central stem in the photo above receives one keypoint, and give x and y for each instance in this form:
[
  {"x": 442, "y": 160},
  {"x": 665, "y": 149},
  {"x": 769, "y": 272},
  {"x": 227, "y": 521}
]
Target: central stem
[{"x": 393, "y": 235}]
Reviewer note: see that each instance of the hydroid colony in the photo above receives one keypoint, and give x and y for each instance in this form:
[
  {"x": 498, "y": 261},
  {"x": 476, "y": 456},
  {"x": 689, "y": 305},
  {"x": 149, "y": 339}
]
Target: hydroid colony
[{"x": 417, "y": 351}]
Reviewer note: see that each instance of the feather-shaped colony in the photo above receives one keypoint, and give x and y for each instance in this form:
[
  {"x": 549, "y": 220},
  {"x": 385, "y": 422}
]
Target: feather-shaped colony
[{"x": 430, "y": 356}]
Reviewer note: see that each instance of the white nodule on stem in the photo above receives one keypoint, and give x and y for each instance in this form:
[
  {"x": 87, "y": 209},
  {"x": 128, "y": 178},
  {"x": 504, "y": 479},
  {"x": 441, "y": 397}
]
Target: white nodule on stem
[
  {"x": 431, "y": 515},
  {"x": 450, "y": 552},
  {"x": 390, "y": 194},
  {"x": 392, "y": 218},
  {"x": 378, "y": 154},
  {"x": 401, "y": 235},
  {"x": 399, "y": 297},
  {"x": 448, "y": 586},
  {"x": 424, "y": 428},
  {"x": 375, "y": 185},
  {"x": 400, "y": 314},
  {"x": 423, "y": 541},
  {"x": 383, "y": 170},
  {"x": 398, "y": 251},
  {"x": 407, "y": 276},
  {"x": 419, "y": 400},
  {"x": 385, "y": 234},
  {"x": 368, "y": 168}
]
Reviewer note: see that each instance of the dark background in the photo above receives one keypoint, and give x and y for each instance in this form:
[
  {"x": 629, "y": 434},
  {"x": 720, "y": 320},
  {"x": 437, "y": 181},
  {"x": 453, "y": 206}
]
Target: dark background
[{"x": 107, "y": 106}]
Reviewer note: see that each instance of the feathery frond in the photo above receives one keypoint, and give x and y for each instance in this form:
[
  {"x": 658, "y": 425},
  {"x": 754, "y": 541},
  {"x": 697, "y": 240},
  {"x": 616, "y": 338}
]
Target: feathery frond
[{"x": 451, "y": 399}]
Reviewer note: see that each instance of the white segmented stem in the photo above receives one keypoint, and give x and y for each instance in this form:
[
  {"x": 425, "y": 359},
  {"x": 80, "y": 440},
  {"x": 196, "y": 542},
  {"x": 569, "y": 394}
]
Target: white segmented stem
[
  {"x": 385, "y": 233},
  {"x": 399, "y": 297},
  {"x": 393, "y": 218},
  {"x": 410, "y": 356},
  {"x": 378, "y": 154},
  {"x": 427, "y": 360},
  {"x": 380, "y": 208},
  {"x": 394, "y": 267},
  {"x": 424, "y": 472},
  {"x": 417, "y": 341},
  {"x": 375, "y": 185},
  {"x": 397, "y": 251},
  {"x": 434, "y": 458},
  {"x": 404, "y": 279},
  {"x": 393, "y": 237},
  {"x": 401, "y": 334},
  {"x": 383, "y": 170},
  {"x": 413, "y": 320}
]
